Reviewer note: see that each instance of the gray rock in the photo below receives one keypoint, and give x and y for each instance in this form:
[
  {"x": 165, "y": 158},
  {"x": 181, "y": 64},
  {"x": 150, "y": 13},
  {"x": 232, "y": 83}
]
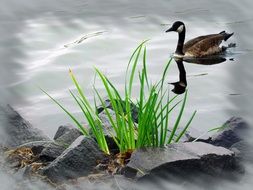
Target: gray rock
[
  {"x": 17, "y": 130},
  {"x": 181, "y": 159},
  {"x": 185, "y": 137},
  {"x": 51, "y": 152},
  {"x": 76, "y": 161},
  {"x": 69, "y": 137},
  {"x": 54, "y": 149},
  {"x": 195, "y": 135},
  {"x": 233, "y": 131},
  {"x": 62, "y": 130},
  {"x": 134, "y": 109},
  {"x": 108, "y": 130},
  {"x": 107, "y": 103},
  {"x": 36, "y": 146}
]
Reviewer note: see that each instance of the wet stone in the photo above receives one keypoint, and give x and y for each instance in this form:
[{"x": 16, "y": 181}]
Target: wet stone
[
  {"x": 78, "y": 160},
  {"x": 195, "y": 135},
  {"x": 181, "y": 159},
  {"x": 51, "y": 152},
  {"x": 69, "y": 137},
  {"x": 233, "y": 131},
  {"x": 17, "y": 130},
  {"x": 134, "y": 109},
  {"x": 62, "y": 130},
  {"x": 36, "y": 146},
  {"x": 108, "y": 130},
  {"x": 54, "y": 149}
]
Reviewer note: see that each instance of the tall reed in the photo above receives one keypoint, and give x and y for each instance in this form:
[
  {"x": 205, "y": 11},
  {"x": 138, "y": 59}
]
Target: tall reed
[{"x": 154, "y": 107}]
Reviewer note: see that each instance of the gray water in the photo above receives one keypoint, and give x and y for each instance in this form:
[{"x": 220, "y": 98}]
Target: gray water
[{"x": 38, "y": 46}]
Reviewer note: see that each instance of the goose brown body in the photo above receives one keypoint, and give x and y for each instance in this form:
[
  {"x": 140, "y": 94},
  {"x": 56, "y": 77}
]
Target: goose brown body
[{"x": 201, "y": 46}]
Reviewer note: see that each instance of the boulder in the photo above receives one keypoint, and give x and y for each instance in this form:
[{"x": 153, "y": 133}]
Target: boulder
[
  {"x": 17, "y": 130},
  {"x": 51, "y": 152},
  {"x": 54, "y": 149},
  {"x": 180, "y": 159},
  {"x": 36, "y": 146},
  {"x": 76, "y": 161},
  {"x": 196, "y": 135},
  {"x": 68, "y": 137},
  {"x": 62, "y": 130},
  {"x": 134, "y": 108},
  {"x": 108, "y": 130},
  {"x": 233, "y": 131}
]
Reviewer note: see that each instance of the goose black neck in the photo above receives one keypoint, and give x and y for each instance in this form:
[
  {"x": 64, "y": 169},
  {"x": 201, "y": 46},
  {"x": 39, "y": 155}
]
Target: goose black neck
[
  {"x": 180, "y": 43},
  {"x": 182, "y": 72}
]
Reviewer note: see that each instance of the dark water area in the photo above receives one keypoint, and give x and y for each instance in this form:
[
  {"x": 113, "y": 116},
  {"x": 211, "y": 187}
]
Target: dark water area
[{"x": 41, "y": 40}]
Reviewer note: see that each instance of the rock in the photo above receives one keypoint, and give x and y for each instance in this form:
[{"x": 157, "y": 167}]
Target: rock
[
  {"x": 19, "y": 131},
  {"x": 62, "y": 130},
  {"x": 233, "y": 131},
  {"x": 108, "y": 130},
  {"x": 107, "y": 103},
  {"x": 68, "y": 137},
  {"x": 185, "y": 137},
  {"x": 76, "y": 161},
  {"x": 51, "y": 152},
  {"x": 195, "y": 135},
  {"x": 36, "y": 146},
  {"x": 134, "y": 108},
  {"x": 181, "y": 159},
  {"x": 54, "y": 149}
]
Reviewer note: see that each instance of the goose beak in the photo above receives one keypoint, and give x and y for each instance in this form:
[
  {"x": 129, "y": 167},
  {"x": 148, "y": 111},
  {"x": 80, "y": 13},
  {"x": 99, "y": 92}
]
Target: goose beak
[
  {"x": 169, "y": 30},
  {"x": 173, "y": 83}
]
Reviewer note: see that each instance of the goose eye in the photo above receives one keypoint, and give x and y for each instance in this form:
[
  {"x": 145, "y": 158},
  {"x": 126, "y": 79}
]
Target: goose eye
[{"x": 180, "y": 28}]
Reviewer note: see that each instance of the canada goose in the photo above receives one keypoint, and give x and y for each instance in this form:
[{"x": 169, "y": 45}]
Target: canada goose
[{"x": 198, "y": 47}]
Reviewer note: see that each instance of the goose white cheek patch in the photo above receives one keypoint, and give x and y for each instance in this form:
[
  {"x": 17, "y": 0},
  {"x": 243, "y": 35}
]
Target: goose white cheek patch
[{"x": 180, "y": 28}]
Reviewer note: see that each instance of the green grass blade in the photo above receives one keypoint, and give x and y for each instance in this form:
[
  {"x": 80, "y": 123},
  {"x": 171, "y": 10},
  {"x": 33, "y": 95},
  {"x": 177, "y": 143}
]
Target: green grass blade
[
  {"x": 178, "y": 119},
  {"x": 83, "y": 130},
  {"x": 186, "y": 127}
]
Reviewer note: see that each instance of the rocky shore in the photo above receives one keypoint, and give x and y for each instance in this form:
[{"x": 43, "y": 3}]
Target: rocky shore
[{"x": 70, "y": 156}]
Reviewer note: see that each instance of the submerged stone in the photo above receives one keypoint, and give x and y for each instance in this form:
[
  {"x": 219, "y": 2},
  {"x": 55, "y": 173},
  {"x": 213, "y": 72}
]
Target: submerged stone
[
  {"x": 17, "y": 130},
  {"x": 233, "y": 131},
  {"x": 181, "y": 159},
  {"x": 76, "y": 161}
]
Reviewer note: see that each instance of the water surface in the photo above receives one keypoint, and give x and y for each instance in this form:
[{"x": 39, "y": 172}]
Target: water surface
[{"x": 41, "y": 40}]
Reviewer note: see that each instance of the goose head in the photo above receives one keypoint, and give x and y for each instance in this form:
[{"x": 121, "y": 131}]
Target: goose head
[
  {"x": 177, "y": 26},
  {"x": 179, "y": 87}
]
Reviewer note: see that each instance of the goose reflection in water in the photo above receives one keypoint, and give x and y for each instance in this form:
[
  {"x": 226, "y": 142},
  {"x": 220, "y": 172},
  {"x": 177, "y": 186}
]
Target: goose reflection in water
[
  {"x": 211, "y": 60},
  {"x": 180, "y": 86}
]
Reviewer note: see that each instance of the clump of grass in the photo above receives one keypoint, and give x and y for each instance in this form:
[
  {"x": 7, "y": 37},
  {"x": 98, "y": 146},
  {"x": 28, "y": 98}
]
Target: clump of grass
[{"x": 153, "y": 104}]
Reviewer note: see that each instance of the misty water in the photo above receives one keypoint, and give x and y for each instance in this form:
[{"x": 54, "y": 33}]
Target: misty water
[{"x": 41, "y": 40}]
